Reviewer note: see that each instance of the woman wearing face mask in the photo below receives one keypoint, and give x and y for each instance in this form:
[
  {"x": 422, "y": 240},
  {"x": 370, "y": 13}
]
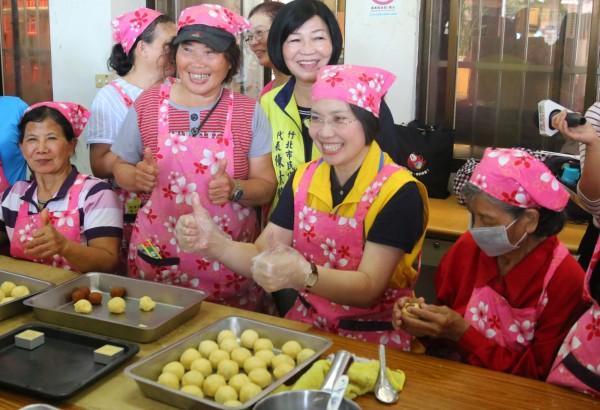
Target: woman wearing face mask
[{"x": 508, "y": 290}]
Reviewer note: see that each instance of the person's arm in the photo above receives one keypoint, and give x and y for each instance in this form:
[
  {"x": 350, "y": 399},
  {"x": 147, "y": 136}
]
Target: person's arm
[
  {"x": 102, "y": 160},
  {"x": 141, "y": 177}
]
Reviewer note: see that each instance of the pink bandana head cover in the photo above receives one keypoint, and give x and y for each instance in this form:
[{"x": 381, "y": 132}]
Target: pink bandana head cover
[
  {"x": 515, "y": 177},
  {"x": 362, "y": 86},
  {"x": 214, "y": 15},
  {"x": 130, "y": 25},
  {"x": 76, "y": 114}
]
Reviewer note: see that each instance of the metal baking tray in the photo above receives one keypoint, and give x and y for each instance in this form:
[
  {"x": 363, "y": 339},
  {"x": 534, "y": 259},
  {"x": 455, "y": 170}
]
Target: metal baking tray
[
  {"x": 16, "y": 306},
  {"x": 174, "y": 306},
  {"x": 61, "y": 366},
  {"x": 146, "y": 371}
]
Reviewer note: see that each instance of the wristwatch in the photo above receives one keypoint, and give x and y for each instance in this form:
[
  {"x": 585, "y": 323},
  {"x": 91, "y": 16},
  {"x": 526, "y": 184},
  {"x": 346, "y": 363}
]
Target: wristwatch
[
  {"x": 313, "y": 276},
  {"x": 238, "y": 191}
]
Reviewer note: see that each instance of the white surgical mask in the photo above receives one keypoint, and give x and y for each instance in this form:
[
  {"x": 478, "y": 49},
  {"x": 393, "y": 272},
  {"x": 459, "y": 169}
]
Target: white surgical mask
[{"x": 493, "y": 240}]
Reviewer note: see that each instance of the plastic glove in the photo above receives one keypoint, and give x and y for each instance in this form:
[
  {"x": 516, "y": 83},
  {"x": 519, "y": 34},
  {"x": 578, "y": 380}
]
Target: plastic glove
[
  {"x": 198, "y": 233},
  {"x": 280, "y": 267}
]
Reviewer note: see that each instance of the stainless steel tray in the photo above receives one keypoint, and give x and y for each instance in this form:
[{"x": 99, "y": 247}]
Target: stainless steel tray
[
  {"x": 16, "y": 306},
  {"x": 146, "y": 371},
  {"x": 174, "y": 306}
]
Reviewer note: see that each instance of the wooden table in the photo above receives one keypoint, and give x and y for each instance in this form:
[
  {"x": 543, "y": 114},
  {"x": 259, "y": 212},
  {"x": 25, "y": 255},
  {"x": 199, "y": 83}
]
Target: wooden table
[{"x": 430, "y": 383}]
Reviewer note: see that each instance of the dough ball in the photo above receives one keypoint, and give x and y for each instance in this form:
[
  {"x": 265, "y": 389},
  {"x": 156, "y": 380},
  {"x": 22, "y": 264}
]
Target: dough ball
[
  {"x": 174, "y": 367},
  {"x": 291, "y": 348},
  {"x": 147, "y": 304},
  {"x": 193, "y": 377},
  {"x": 225, "y": 393},
  {"x": 262, "y": 343},
  {"x": 7, "y": 287},
  {"x": 118, "y": 292},
  {"x": 77, "y": 295},
  {"x": 2, "y": 295},
  {"x": 6, "y": 299},
  {"x": 282, "y": 370},
  {"x": 83, "y": 306},
  {"x": 228, "y": 368},
  {"x": 238, "y": 381},
  {"x": 217, "y": 356},
  {"x": 248, "y": 391},
  {"x": 206, "y": 347},
  {"x": 261, "y": 377},
  {"x": 226, "y": 334},
  {"x": 188, "y": 356},
  {"x": 116, "y": 305},
  {"x": 266, "y": 355},
  {"x": 248, "y": 337},
  {"x": 228, "y": 345},
  {"x": 169, "y": 379},
  {"x": 202, "y": 365},
  {"x": 304, "y": 354},
  {"x": 212, "y": 384},
  {"x": 95, "y": 298},
  {"x": 193, "y": 390},
  {"x": 282, "y": 358},
  {"x": 19, "y": 291},
  {"x": 254, "y": 362},
  {"x": 232, "y": 403},
  {"x": 407, "y": 313},
  {"x": 240, "y": 354}
]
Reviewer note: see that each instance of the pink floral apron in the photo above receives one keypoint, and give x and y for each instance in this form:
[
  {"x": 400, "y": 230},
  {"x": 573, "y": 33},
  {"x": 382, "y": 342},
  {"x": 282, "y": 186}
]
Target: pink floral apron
[
  {"x": 3, "y": 181},
  {"x": 577, "y": 364},
  {"x": 130, "y": 201},
  {"x": 187, "y": 165},
  {"x": 337, "y": 242},
  {"x": 491, "y": 314},
  {"x": 66, "y": 222}
]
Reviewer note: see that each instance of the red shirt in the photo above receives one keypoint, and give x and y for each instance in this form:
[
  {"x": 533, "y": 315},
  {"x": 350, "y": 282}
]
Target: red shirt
[{"x": 521, "y": 287}]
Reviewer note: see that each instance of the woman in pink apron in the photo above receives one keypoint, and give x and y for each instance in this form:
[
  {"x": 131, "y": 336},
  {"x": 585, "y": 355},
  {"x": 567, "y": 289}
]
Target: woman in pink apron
[
  {"x": 352, "y": 256},
  {"x": 195, "y": 136},
  {"x": 508, "y": 290},
  {"x": 60, "y": 218}
]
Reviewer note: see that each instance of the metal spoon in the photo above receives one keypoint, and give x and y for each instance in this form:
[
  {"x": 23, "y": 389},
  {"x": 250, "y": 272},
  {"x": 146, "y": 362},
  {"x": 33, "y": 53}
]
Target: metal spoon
[{"x": 384, "y": 391}]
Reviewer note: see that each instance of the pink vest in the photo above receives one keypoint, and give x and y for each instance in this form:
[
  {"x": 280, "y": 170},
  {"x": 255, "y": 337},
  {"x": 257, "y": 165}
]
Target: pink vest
[
  {"x": 337, "y": 242},
  {"x": 3, "y": 181}
]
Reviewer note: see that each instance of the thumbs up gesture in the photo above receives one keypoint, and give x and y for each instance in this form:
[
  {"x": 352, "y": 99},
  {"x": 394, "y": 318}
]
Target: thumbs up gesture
[
  {"x": 47, "y": 241},
  {"x": 280, "y": 267},
  {"x": 221, "y": 186},
  {"x": 146, "y": 172},
  {"x": 198, "y": 233}
]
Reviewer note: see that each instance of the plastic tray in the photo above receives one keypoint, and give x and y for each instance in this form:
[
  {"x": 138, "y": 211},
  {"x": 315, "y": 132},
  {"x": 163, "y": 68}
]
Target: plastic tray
[
  {"x": 16, "y": 306},
  {"x": 60, "y": 367}
]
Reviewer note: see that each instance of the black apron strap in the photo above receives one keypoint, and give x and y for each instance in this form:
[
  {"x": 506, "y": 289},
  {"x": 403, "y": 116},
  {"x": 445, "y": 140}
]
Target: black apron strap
[
  {"x": 582, "y": 373},
  {"x": 365, "y": 325}
]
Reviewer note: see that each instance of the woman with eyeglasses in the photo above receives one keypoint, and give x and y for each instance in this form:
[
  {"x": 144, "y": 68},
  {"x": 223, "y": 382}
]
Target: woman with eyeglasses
[
  {"x": 348, "y": 226},
  {"x": 261, "y": 17}
]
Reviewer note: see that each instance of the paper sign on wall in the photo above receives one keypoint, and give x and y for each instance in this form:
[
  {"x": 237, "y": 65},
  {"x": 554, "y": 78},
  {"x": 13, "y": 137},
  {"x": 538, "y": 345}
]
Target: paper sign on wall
[{"x": 382, "y": 8}]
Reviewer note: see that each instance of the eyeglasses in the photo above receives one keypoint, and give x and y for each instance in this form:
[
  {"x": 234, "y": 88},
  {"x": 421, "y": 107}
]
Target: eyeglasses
[
  {"x": 318, "y": 122},
  {"x": 257, "y": 35}
]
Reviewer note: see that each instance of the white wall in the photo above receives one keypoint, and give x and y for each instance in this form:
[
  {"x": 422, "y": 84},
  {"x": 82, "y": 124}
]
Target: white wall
[
  {"x": 81, "y": 41},
  {"x": 389, "y": 42}
]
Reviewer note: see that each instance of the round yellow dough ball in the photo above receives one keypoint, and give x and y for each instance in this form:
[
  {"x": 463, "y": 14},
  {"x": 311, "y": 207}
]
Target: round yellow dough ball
[
  {"x": 2, "y": 295},
  {"x": 261, "y": 377},
  {"x": 226, "y": 334},
  {"x": 228, "y": 368},
  {"x": 188, "y": 356},
  {"x": 19, "y": 291},
  {"x": 232, "y": 403},
  {"x": 217, "y": 356},
  {"x": 6, "y": 299},
  {"x": 7, "y": 287},
  {"x": 228, "y": 345},
  {"x": 206, "y": 347},
  {"x": 147, "y": 304},
  {"x": 248, "y": 391},
  {"x": 193, "y": 390},
  {"x": 225, "y": 393},
  {"x": 83, "y": 306},
  {"x": 238, "y": 381},
  {"x": 282, "y": 370},
  {"x": 304, "y": 354},
  {"x": 202, "y": 365},
  {"x": 212, "y": 384},
  {"x": 169, "y": 379},
  {"x": 254, "y": 362},
  {"x": 282, "y": 358},
  {"x": 116, "y": 305},
  {"x": 174, "y": 367},
  {"x": 248, "y": 337},
  {"x": 266, "y": 355},
  {"x": 193, "y": 377},
  {"x": 291, "y": 348},
  {"x": 262, "y": 343},
  {"x": 240, "y": 354}
]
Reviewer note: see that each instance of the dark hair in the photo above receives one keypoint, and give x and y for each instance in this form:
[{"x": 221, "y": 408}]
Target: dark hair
[
  {"x": 293, "y": 15},
  {"x": 232, "y": 54},
  {"x": 39, "y": 114},
  {"x": 550, "y": 222},
  {"x": 121, "y": 62},
  {"x": 368, "y": 121},
  {"x": 270, "y": 8}
]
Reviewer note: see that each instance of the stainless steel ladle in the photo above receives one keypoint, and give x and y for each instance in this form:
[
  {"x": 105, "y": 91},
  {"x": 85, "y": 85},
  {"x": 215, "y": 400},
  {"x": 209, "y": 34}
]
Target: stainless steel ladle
[{"x": 384, "y": 391}]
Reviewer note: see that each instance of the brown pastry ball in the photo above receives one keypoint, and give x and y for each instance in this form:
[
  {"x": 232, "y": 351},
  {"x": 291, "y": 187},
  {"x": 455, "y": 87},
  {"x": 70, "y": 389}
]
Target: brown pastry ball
[
  {"x": 188, "y": 356},
  {"x": 407, "y": 313},
  {"x": 304, "y": 354},
  {"x": 193, "y": 377},
  {"x": 254, "y": 362},
  {"x": 248, "y": 391},
  {"x": 118, "y": 291},
  {"x": 206, "y": 347},
  {"x": 282, "y": 370},
  {"x": 240, "y": 354},
  {"x": 86, "y": 290},
  {"x": 77, "y": 295},
  {"x": 228, "y": 368},
  {"x": 169, "y": 379},
  {"x": 262, "y": 343},
  {"x": 193, "y": 390},
  {"x": 217, "y": 356},
  {"x": 202, "y": 365},
  {"x": 225, "y": 393},
  {"x": 238, "y": 381},
  {"x": 174, "y": 367},
  {"x": 212, "y": 384},
  {"x": 248, "y": 337},
  {"x": 261, "y": 377},
  {"x": 95, "y": 298}
]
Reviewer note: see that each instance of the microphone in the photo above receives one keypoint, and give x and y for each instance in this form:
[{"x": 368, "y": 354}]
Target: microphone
[{"x": 548, "y": 109}]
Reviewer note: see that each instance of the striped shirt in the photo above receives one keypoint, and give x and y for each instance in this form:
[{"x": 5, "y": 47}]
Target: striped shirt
[
  {"x": 100, "y": 212},
  {"x": 593, "y": 117}
]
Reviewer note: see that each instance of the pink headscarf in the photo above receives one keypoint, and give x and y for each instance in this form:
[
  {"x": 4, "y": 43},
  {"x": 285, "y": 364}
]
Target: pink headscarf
[
  {"x": 214, "y": 15},
  {"x": 364, "y": 87},
  {"x": 130, "y": 25},
  {"x": 76, "y": 114},
  {"x": 515, "y": 177}
]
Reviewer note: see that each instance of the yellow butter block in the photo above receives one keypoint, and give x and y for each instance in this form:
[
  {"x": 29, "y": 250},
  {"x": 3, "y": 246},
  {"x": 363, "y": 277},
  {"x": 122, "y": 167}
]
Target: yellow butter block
[
  {"x": 107, "y": 353},
  {"x": 29, "y": 339}
]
